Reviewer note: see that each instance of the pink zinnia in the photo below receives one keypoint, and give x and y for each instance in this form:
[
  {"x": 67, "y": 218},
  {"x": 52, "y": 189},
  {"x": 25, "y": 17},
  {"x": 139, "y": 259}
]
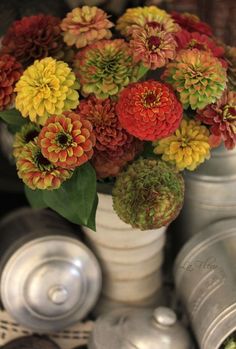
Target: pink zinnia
[{"x": 153, "y": 47}]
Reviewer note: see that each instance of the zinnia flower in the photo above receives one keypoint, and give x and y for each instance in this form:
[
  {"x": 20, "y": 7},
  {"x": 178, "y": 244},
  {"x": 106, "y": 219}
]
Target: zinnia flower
[
  {"x": 110, "y": 163},
  {"x": 221, "y": 117},
  {"x": 191, "y": 23},
  {"x": 108, "y": 131},
  {"x": 149, "y": 110},
  {"x": 47, "y": 87},
  {"x": 187, "y": 148},
  {"x": 148, "y": 194},
  {"x": 34, "y": 37},
  {"x": 199, "y": 41},
  {"x": 86, "y": 25},
  {"x": 153, "y": 47},
  {"x": 67, "y": 140},
  {"x": 27, "y": 134},
  {"x": 197, "y": 76},
  {"x": 105, "y": 67},
  {"x": 137, "y": 17},
  {"x": 36, "y": 171},
  {"x": 10, "y": 72},
  {"x": 230, "y": 56}
]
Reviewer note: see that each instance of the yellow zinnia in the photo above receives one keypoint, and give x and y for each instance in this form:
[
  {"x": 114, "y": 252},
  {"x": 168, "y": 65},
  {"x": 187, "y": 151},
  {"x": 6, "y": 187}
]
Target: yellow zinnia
[
  {"x": 151, "y": 15},
  {"x": 47, "y": 87},
  {"x": 187, "y": 148}
]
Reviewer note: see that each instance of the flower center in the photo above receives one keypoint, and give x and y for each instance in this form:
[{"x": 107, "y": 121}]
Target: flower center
[
  {"x": 155, "y": 25},
  {"x": 232, "y": 111},
  {"x": 63, "y": 139},
  {"x": 198, "y": 45},
  {"x": 229, "y": 114},
  {"x": 30, "y": 136},
  {"x": 153, "y": 43},
  {"x": 184, "y": 142},
  {"x": 150, "y": 99},
  {"x": 42, "y": 163}
]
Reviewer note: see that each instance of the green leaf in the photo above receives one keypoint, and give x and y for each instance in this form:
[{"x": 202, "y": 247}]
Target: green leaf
[
  {"x": 141, "y": 72},
  {"x": 13, "y": 118},
  {"x": 74, "y": 200},
  {"x": 92, "y": 219},
  {"x": 35, "y": 197}
]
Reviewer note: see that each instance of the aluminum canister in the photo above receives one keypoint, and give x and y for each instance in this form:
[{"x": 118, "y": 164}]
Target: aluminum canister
[
  {"x": 49, "y": 279},
  {"x": 140, "y": 329},
  {"x": 205, "y": 276},
  {"x": 210, "y": 194}
]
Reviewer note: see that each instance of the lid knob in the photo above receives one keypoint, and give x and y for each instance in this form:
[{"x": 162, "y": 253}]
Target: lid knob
[
  {"x": 164, "y": 316},
  {"x": 58, "y": 294}
]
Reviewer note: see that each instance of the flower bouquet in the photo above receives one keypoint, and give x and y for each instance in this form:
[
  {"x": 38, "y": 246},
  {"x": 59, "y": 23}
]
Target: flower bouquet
[{"x": 79, "y": 96}]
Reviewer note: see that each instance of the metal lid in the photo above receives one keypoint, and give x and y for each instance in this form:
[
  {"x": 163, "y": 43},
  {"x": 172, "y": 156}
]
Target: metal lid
[
  {"x": 50, "y": 283},
  {"x": 140, "y": 329}
]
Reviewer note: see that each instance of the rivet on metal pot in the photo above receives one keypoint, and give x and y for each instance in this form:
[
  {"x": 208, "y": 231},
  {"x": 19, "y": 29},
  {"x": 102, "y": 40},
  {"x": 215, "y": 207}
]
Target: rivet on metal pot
[{"x": 49, "y": 279}]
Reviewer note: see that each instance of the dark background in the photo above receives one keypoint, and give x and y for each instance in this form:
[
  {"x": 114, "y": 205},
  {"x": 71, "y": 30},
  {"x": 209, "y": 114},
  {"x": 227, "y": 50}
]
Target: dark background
[{"x": 221, "y": 14}]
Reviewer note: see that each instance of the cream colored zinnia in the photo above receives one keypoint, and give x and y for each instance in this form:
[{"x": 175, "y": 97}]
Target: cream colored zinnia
[
  {"x": 47, "y": 87},
  {"x": 85, "y": 25},
  {"x": 187, "y": 148}
]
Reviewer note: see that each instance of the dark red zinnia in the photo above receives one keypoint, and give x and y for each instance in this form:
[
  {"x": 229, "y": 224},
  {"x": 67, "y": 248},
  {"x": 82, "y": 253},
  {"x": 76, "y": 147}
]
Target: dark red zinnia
[
  {"x": 111, "y": 163},
  {"x": 34, "y": 37},
  {"x": 199, "y": 41},
  {"x": 109, "y": 133},
  {"x": 191, "y": 23},
  {"x": 149, "y": 110},
  {"x": 221, "y": 117},
  {"x": 10, "y": 72}
]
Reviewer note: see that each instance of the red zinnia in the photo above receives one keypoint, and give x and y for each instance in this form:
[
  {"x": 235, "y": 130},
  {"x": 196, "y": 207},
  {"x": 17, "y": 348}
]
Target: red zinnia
[
  {"x": 191, "y": 23},
  {"x": 149, "y": 110},
  {"x": 10, "y": 72},
  {"x": 108, "y": 131},
  {"x": 221, "y": 117},
  {"x": 34, "y": 37}
]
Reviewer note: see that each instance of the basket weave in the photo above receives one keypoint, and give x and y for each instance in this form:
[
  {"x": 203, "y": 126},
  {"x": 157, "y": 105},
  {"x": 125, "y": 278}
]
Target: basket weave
[{"x": 73, "y": 337}]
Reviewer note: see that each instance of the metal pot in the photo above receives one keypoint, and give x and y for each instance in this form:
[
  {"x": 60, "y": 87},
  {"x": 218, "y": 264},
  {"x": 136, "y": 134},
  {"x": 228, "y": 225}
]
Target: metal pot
[
  {"x": 210, "y": 194},
  {"x": 205, "y": 277},
  {"x": 31, "y": 342},
  {"x": 140, "y": 329},
  {"x": 49, "y": 279}
]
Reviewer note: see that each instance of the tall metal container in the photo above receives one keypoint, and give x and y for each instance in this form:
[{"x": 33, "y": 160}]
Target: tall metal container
[
  {"x": 49, "y": 280},
  {"x": 210, "y": 194},
  {"x": 205, "y": 276}
]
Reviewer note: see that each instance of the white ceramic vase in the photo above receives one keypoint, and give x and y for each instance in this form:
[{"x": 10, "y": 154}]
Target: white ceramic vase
[{"x": 131, "y": 259}]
